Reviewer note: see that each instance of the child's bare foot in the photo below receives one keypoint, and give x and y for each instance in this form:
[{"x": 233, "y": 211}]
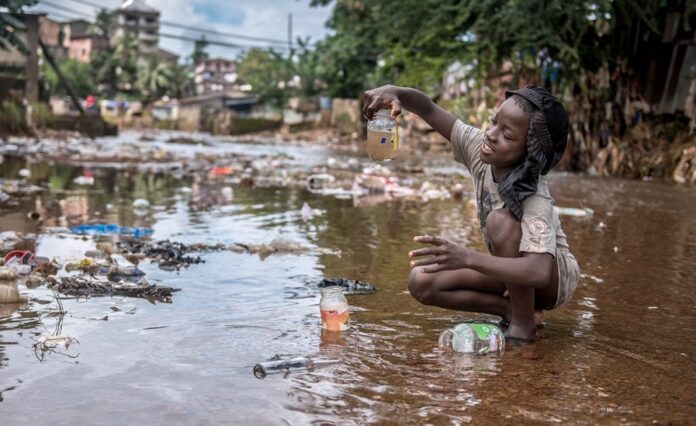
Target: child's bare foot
[
  {"x": 538, "y": 320},
  {"x": 520, "y": 333}
]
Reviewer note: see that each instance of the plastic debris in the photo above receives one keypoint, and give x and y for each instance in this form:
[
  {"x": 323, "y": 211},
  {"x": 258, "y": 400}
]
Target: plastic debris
[
  {"x": 278, "y": 366},
  {"x": 9, "y": 293},
  {"x": 24, "y": 173},
  {"x": 221, "y": 171},
  {"x": 49, "y": 341},
  {"x": 276, "y": 247},
  {"x": 110, "y": 229},
  {"x": 168, "y": 255},
  {"x": 593, "y": 278},
  {"x": 307, "y": 212},
  {"x": 320, "y": 182},
  {"x": 570, "y": 211},
  {"x": 141, "y": 203},
  {"x": 349, "y": 286},
  {"x": 433, "y": 192},
  {"x": 95, "y": 286},
  {"x": 123, "y": 267},
  {"x": 84, "y": 180},
  {"x": 55, "y": 230}
]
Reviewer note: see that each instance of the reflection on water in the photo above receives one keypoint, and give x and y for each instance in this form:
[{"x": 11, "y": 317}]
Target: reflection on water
[{"x": 618, "y": 352}]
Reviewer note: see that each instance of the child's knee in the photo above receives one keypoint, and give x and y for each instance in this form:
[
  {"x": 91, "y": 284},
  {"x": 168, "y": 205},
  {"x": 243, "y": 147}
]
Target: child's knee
[
  {"x": 419, "y": 285},
  {"x": 503, "y": 229}
]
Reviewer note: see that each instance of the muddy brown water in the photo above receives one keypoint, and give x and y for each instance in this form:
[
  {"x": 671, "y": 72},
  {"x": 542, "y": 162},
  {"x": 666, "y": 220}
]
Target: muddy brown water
[{"x": 620, "y": 352}]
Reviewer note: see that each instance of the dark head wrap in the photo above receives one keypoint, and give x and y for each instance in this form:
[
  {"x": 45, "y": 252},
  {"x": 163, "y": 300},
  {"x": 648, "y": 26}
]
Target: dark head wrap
[{"x": 546, "y": 143}]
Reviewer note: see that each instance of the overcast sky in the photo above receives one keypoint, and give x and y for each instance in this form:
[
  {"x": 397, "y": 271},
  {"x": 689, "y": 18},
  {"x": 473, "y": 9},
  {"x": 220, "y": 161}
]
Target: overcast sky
[{"x": 256, "y": 18}]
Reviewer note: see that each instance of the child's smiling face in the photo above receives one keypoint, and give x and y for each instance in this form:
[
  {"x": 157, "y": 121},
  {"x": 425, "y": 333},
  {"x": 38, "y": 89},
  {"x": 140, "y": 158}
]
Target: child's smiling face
[{"x": 505, "y": 140}]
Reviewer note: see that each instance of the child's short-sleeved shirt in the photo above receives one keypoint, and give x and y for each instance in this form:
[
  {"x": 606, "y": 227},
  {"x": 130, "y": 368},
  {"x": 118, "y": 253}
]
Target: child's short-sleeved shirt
[{"x": 541, "y": 227}]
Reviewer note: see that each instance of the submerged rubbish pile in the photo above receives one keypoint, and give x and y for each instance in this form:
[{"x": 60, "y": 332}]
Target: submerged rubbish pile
[
  {"x": 168, "y": 255},
  {"x": 89, "y": 285}
]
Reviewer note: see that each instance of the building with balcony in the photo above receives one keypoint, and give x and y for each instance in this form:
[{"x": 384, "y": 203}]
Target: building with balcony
[
  {"x": 137, "y": 18},
  {"x": 215, "y": 75}
]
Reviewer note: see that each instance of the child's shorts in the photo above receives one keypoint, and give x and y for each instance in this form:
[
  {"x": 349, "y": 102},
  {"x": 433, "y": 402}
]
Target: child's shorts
[{"x": 568, "y": 276}]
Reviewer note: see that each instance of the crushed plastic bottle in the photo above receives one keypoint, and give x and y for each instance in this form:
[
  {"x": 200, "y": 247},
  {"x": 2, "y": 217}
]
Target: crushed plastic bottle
[{"x": 473, "y": 338}]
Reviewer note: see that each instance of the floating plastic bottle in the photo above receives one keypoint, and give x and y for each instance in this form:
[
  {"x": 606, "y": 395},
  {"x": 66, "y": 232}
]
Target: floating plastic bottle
[
  {"x": 473, "y": 338},
  {"x": 334, "y": 309},
  {"x": 382, "y": 137}
]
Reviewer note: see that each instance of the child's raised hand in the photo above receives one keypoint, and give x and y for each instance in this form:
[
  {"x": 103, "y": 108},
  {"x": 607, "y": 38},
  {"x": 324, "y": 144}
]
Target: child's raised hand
[
  {"x": 445, "y": 255},
  {"x": 381, "y": 98}
]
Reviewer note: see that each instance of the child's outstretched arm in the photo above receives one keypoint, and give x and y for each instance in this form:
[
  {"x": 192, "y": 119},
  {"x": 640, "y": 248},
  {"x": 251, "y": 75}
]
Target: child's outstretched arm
[{"x": 395, "y": 97}]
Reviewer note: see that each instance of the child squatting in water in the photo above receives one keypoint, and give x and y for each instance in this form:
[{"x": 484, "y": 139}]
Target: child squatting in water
[{"x": 530, "y": 266}]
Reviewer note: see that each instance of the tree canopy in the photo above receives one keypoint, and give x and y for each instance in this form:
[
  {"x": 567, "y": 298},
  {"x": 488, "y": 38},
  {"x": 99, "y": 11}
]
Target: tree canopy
[{"x": 412, "y": 42}]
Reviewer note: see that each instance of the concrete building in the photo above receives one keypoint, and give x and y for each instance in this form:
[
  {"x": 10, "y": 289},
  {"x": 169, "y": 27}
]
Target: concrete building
[
  {"x": 215, "y": 75},
  {"x": 52, "y": 35},
  {"x": 81, "y": 47},
  {"x": 12, "y": 58},
  {"x": 193, "y": 112},
  {"x": 137, "y": 18}
]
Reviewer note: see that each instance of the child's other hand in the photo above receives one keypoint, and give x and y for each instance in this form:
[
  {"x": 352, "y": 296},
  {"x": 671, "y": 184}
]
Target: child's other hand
[
  {"x": 382, "y": 98},
  {"x": 445, "y": 255}
]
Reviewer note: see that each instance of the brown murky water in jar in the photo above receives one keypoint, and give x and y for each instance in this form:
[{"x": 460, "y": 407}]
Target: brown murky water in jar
[{"x": 619, "y": 352}]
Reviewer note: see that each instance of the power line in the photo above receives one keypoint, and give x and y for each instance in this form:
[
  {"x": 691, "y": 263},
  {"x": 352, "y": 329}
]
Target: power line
[
  {"x": 200, "y": 30},
  {"x": 178, "y": 37},
  {"x": 82, "y": 14},
  {"x": 165, "y": 35}
]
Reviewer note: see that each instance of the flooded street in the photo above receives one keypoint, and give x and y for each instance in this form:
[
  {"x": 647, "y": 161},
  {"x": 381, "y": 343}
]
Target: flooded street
[{"x": 620, "y": 352}]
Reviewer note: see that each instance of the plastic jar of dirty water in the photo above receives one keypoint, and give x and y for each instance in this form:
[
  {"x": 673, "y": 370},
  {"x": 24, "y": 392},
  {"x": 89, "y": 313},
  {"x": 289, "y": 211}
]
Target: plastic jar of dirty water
[
  {"x": 382, "y": 137},
  {"x": 334, "y": 309},
  {"x": 473, "y": 338}
]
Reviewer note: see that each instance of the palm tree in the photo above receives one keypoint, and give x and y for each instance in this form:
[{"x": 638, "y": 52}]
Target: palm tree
[
  {"x": 10, "y": 26},
  {"x": 155, "y": 78}
]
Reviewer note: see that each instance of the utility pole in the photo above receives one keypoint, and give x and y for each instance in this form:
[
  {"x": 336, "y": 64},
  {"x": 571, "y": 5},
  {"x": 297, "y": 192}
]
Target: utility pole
[{"x": 289, "y": 33}]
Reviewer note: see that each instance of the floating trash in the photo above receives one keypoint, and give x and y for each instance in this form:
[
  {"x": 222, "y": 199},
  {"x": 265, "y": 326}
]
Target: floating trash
[
  {"x": 278, "y": 366},
  {"x": 141, "y": 203},
  {"x": 349, "y": 286},
  {"x": 93, "y": 286},
  {"x": 570, "y": 211},
  {"x": 110, "y": 229}
]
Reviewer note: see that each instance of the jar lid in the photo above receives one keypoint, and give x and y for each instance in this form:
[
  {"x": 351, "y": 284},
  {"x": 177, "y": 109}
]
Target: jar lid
[{"x": 383, "y": 113}]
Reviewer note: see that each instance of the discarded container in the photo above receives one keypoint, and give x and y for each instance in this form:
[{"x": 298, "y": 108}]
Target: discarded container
[
  {"x": 110, "y": 229},
  {"x": 570, "y": 211},
  {"x": 9, "y": 294},
  {"x": 7, "y": 274},
  {"x": 263, "y": 369},
  {"x": 124, "y": 267},
  {"x": 24, "y": 257},
  {"x": 382, "y": 137},
  {"x": 84, "y": 180},
  {"x": 141, "y": 203},
  {"x": 55, "y": 230},
  {"x": 473, "y": 338},
  {"x": 334, "y": 309}
]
